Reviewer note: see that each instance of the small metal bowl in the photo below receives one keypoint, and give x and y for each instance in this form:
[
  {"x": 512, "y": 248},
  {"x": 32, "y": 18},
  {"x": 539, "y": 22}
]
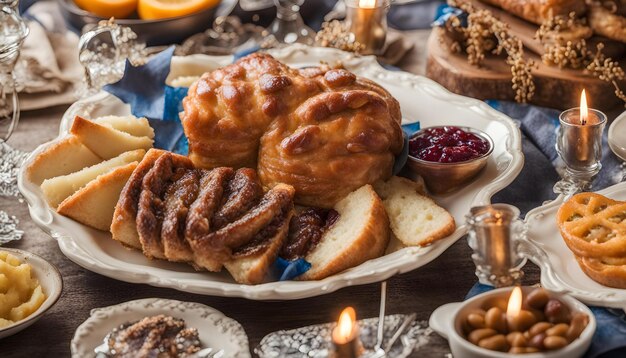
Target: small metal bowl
[
  {"x": 153, "y": 32},
  {"x": 443, "y": 178}
]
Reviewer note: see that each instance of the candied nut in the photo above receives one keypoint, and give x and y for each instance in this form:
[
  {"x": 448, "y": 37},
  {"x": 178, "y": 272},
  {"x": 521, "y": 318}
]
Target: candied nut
[
  {"x": 577, "y": 326},
  {"x": 480, "y": 334},
  {"x": 554, "y": 342},
  {"x": 518, "y": 350},
  {"x": 476, "y": 320},
  {"x": 499, "y": 302},
  {"x": 557, "y": 312},
  {"x": 524, "y": 320},
  {"x": 495, "y": 319},
  {"x": 537, "y": 341},
  {"x": 538, "y": 298},
  {"x": 558, "y": 330},
  {"x": 495, "y": 343},
  {"x": 539, "y": 327},
  {"x": 517, "y": 339}
]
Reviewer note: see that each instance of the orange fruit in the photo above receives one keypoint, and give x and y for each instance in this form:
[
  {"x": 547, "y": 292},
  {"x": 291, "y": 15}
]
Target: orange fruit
[
  {"x": 108, "y": 8},
  {"x": 162, "y": 9}
]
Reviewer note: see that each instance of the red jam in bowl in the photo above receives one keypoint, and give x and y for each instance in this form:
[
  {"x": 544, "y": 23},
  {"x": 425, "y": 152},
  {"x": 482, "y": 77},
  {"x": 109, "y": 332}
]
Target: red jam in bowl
[{"x": 447, "y": 145}]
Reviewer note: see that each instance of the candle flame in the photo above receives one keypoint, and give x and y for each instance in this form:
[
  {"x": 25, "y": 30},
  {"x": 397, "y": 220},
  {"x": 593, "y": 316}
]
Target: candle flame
[
  {"x": 515, "y": 303},
  {"x": 367, "y": 4},
  {"x": 345, "y": 326},
  {"x": 584, "y": 111}
]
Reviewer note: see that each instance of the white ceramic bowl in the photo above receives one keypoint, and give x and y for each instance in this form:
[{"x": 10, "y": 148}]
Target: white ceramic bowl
[
  {"x": 49, "y": 279},
  {"x": 446, "y": 321}
]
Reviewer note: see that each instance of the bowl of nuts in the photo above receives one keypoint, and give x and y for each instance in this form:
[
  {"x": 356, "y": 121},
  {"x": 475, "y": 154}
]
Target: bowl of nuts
[{"x": 510, "y": 321}]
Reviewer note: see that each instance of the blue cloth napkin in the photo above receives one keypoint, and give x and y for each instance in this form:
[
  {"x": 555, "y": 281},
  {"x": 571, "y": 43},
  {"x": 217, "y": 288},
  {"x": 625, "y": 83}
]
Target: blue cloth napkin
[{"x": 609, "y": 338}]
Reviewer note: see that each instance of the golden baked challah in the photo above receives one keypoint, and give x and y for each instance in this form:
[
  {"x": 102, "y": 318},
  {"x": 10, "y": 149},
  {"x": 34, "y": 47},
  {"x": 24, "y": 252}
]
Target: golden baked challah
[{"x": 324, "y": 131}]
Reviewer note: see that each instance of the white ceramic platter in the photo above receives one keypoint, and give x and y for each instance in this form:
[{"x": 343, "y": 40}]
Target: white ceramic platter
[
  {"x": 559, "y": 269},
  {"x": 49, "y": 279},
  {"x": 215, "y": 330},
  {"x": 420, "y": 98}
]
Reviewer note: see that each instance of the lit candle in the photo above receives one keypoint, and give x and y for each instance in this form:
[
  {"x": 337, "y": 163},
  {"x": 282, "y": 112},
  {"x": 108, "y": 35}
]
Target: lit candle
[
  {"x": 368, "y": 23},
  {"x": 517, "y": 319},
  {"x": 579, "y": 140},
  {"x": 345, "y": 335}
]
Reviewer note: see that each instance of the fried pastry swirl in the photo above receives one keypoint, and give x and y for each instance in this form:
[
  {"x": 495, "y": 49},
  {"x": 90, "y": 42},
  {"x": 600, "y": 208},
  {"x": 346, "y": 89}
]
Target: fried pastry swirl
[
  {"x": 322, "y": 130},
  {"x": 203, "y": 217}
]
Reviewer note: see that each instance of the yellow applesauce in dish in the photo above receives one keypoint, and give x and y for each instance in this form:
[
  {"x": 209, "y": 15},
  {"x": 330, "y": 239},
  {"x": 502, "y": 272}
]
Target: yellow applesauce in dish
[{"x": 20, "y": 292}]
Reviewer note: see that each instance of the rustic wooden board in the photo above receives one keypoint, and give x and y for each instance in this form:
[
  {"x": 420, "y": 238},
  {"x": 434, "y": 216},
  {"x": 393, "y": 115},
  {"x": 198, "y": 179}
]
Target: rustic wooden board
[
  {"x": 525, "y": 31},
  {"x": 556, "y": 88}
]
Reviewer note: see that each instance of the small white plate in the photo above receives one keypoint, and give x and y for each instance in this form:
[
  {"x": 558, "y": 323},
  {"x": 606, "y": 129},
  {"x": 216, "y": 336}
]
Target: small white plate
[
  {"x": 421, "y": 100},
  {"x": 617, "y": 136},
  {"x": 49, "y": 279},
  {"x": 216, "y": 330},
  {"x": 559, "y": 270}
]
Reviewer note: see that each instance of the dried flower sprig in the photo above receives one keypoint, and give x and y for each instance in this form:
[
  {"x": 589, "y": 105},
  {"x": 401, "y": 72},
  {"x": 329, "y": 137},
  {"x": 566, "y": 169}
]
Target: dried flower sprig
[
  {"x": 486, "y": 34},
  {"x": 337, "y": 34},
  {"x": 575, "y": 54}
]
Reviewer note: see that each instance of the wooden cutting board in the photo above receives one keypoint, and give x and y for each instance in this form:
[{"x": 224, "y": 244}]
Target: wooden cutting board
[{"x": 555, "y": 88}]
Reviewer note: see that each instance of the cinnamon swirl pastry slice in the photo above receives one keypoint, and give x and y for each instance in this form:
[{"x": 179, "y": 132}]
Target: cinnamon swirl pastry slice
[
  {"x": 207, "y": 218},
  {"x": 167, "y": 169}
]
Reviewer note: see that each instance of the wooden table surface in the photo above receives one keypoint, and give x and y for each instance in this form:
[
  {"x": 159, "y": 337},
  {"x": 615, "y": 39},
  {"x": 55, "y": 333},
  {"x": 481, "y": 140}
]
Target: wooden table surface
[{"x": 447, "y": 279}]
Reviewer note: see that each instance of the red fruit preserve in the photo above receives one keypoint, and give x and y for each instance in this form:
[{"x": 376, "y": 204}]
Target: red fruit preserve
[{"x": 447, "y": 145}]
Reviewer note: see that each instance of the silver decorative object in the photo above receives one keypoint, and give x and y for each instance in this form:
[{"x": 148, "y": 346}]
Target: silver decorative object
[
  {"x": 13, "y": 31},
  {"x": 579, "y": 144},
  {"x": 8, "y": 228},
  {"x": 495, "y": 235},
  {"x": 103, "y": 52},
  {"x": 227, "y": 36},
  {"x": 288, "y": 27},
  {"x": 314, "y": 341}
]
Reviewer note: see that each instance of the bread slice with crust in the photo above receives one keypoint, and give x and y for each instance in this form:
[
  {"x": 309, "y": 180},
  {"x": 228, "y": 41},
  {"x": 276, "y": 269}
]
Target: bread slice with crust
[
  {"x": 62, "y": 158},
  {"x": 254, "y": 269},
  {"x": 138, "y": 127},
  {"x": 415, "y": 219},
  {"x": 93, "y": 205},
  {"x": 59, "y": 188},
  {"x": 360, "y": 233},
  {"x": 123, "y": 226},
  {"x": 106, "y": 141}
]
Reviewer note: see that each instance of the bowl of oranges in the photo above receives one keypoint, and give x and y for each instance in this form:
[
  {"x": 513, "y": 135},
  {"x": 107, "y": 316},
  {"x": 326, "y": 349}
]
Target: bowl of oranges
[{"x": 157, "y": 22}]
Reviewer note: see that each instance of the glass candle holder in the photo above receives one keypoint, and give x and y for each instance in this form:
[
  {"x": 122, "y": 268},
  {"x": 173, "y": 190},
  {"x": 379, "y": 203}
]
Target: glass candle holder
[
  {"x": 494, "y": 236},
  {"x": 367, "y": 21},
  {"x": 579, "y": 144}
]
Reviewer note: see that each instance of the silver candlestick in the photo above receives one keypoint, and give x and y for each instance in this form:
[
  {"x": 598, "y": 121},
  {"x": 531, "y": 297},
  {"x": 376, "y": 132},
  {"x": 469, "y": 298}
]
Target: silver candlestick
[{"x": 495, "y": 236}]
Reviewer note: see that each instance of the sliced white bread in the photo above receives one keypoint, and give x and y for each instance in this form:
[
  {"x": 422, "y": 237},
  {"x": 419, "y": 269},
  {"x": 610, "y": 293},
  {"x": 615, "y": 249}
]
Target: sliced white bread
[
  {"x": 64, "y": 157},
  {"x": 415, "y": 219},
  {"x": 360, "y": 233},
  {"x": 106, "y": 141},
  {"x": 124, "y": 226},
  {"x": 138, "y": 127},
  {"x": 93, "y": 205},
  {"x": 59, "y": 188},
  {"x": 252, "y": 270}
]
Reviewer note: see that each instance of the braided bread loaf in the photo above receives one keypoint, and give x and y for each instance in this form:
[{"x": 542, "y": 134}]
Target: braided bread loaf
[
  {"x": 208, "y": 218},
  {"x": 324, "y": 131}
]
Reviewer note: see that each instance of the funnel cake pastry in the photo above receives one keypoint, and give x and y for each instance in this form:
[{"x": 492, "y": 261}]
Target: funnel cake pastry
[
  {"x": 594, "y": 228},
  {"x": 324, "y": 131},
  {"x": 208, "y": 218}
]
